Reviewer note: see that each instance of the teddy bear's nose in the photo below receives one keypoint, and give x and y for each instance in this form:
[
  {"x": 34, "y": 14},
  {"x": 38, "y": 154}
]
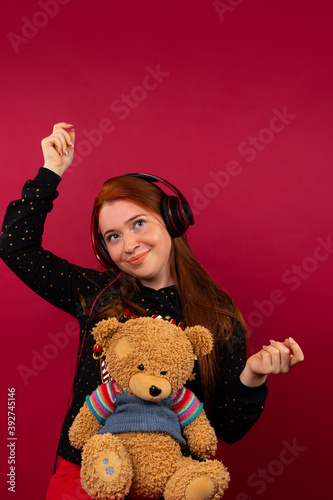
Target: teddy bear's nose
[{"x": 154, "y": 391}]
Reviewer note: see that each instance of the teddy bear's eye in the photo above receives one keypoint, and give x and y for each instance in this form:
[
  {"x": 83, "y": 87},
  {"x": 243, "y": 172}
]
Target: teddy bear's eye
[
  {"x": 163, "y": 372},
  {"x": 141, "y": 367}
]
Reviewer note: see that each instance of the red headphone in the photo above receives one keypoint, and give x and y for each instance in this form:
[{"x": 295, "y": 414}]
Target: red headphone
[{"x": 175, "y": 210}]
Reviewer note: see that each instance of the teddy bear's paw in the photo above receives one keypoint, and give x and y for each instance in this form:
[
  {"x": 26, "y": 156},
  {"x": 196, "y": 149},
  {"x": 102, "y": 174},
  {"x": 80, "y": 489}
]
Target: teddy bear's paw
[
  {"x": 198, "y": 481},
  {"x": 200, "y": 488},
  {"x": 108, "y": 466},
  {"x": 106, "y": 470}
]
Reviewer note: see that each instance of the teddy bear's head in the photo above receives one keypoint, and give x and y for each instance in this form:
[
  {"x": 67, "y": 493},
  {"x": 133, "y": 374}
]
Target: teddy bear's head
[{"x": 151, "y": 358}]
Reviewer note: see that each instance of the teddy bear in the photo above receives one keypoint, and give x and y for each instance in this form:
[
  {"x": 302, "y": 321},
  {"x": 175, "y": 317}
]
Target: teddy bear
[{"x": 134, "y": 429}]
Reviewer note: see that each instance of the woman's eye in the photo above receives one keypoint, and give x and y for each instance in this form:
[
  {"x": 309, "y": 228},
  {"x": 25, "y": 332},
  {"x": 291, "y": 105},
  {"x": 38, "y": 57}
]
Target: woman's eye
[
  {"x": 139, "y": 223},
  {"x": 112, "y": 238}
]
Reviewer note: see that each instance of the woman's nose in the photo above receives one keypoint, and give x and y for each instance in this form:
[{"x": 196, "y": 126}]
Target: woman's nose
[{"x": 130, "y": 243}]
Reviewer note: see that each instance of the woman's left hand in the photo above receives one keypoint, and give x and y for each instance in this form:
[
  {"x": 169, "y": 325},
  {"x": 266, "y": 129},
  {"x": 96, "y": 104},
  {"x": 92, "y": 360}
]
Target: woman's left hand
[{"x": 278, "y": 357}]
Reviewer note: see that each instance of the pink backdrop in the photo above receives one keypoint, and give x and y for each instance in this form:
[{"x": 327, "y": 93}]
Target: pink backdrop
[{"x": 230, "y": 101}]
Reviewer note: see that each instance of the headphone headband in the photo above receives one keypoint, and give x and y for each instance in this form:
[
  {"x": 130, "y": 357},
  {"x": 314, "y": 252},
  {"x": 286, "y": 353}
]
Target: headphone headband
[{"x": 175, "y": 210}]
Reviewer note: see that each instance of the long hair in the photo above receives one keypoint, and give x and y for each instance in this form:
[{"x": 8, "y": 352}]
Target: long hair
[{"x": 203, "y": 302}]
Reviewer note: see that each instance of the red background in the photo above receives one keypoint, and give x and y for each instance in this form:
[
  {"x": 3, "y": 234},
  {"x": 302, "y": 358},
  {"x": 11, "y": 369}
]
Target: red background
[{"x": 224, "y": 75}]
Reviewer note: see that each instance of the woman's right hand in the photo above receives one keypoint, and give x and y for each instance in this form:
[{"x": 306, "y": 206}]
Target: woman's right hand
[{"x": 58, "y": 148}]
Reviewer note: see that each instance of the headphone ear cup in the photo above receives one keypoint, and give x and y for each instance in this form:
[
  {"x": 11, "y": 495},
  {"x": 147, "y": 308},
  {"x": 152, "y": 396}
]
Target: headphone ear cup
[
  {"x": 103, "y": 254},
  {"x": 170, "y": 211},
  {"x": 187, "y": 213},
  {"x": 102, "y": 248},
  {"x": 98, "y": 244}
]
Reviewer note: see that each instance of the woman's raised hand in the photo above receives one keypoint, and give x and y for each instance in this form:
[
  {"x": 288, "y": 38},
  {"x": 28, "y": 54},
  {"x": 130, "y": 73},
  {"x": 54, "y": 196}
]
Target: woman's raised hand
[
  {"x": 278, "y": 357},
  {"x": 58, "y": 148}
]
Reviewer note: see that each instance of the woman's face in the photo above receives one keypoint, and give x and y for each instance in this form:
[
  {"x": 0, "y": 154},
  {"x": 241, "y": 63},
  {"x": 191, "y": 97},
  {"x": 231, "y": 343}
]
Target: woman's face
[{"x": 137, "y": 241}]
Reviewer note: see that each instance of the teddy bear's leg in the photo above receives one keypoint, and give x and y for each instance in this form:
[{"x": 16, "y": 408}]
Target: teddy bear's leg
[
  {"x": 106, "y": 470},
  {"x": 198, "y": 481}
]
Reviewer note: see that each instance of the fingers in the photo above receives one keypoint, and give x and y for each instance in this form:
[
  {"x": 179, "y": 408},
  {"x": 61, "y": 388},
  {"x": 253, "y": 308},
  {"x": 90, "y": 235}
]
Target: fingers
[
  {"x": 61, "y": 125},
  {"x": 297, "y": 355},
  {"x": 62, "y": 138},
  {"x": 265, "y": 366},
  {"x": 58, "y": 148},
  {"x": 279, "y": 357}
]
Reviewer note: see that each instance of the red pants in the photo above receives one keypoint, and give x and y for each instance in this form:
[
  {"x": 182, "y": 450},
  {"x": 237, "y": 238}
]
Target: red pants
[{"x": 65, "y": 483}]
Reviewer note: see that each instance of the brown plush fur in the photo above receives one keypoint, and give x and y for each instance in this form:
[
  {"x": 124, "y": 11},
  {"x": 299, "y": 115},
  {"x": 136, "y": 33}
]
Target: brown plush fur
[
  {"x": 201, "y": 438},
  {"x": 149, "y": 465},
  {"x": 83, "y": 428}
]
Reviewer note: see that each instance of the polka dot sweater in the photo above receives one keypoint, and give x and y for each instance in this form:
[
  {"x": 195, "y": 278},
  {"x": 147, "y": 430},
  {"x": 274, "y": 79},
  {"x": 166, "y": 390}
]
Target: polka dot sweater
[{"x": 236, "y": 407}]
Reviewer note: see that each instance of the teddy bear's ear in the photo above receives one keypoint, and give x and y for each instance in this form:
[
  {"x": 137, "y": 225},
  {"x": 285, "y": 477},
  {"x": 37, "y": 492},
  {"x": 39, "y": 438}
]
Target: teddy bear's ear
[
  {"x": 200, "y": 338},
  {"x": 104, "y": 331}
]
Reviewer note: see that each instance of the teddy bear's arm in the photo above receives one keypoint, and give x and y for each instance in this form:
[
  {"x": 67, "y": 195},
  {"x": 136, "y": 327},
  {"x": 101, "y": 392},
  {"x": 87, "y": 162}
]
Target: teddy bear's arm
[
  {"x": 84, "y": 427},
  {"x": 200, "y": 436}
]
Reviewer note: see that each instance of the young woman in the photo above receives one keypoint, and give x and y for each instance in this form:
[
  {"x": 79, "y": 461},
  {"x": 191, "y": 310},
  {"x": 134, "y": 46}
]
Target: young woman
[{"x": 150, "y": 270}]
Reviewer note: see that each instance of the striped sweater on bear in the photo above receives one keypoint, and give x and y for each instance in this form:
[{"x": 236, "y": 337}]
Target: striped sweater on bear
[{"x": 102, "y": 403}]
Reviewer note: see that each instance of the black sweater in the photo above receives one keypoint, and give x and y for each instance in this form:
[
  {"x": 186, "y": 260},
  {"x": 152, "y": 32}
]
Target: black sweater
[{"x": 236, "y": 407}]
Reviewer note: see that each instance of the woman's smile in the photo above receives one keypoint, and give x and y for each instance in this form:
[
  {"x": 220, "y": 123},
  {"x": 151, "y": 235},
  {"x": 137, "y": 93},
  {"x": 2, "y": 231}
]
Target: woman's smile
[
  {"x": 138, "y": 259},
  {"x": 137, "y": 241}
]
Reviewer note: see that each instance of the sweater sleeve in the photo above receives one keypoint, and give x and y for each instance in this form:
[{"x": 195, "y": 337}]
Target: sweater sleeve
[
  {"x": 102, "y": 401},
  {"x": 237, "y": 407},
  {"x": 53, "y": 278},
  {"x": 186, "y": 406}
]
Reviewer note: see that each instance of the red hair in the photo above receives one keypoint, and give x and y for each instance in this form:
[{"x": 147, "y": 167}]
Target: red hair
[
  {"x": 203, "y": 301},
  {"x": 139, "y": 191}
]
